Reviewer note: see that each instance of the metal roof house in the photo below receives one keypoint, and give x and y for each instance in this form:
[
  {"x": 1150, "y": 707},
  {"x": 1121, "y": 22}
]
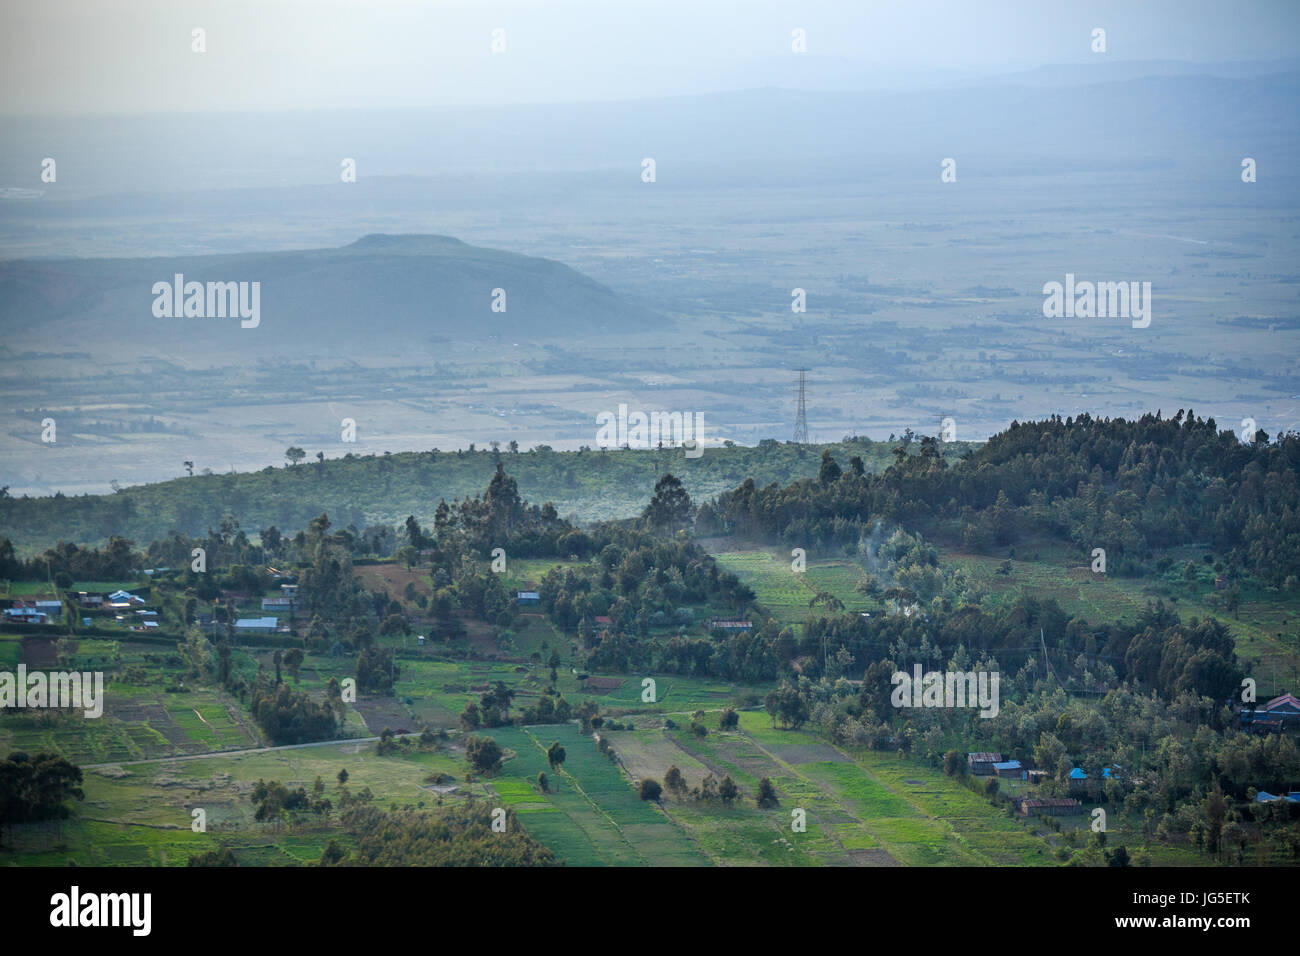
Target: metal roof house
[
  {"x": 1278, "y": 714},
  {"x": 25, "y": 615},
  {"x": 1265, "y": 797},
  {"x": 1036, "y": 806},
  {"x": 257, "y": 625},
  {"x": 980, "y": 762}
]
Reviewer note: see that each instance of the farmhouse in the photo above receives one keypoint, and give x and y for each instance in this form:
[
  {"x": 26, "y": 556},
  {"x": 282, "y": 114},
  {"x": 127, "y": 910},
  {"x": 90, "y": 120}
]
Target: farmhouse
[
  {"x": 23, "y": 613},
  {"x": 1009, "y": 770},
  {"x": 287, "y": 604},
  {"x": 980, "y": 763},
  {"x": 86, "y": 599},
  {"x": 52, "y": 609},
  {"x": 1056, "y": 806},
  {"x": 1280, "y": 713},
  {"x": 257, "y": 625}
]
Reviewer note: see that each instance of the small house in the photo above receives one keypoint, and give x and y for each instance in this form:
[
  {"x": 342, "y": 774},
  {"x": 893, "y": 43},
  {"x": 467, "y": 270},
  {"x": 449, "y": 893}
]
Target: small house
[
  {"x": 257, "y": 625},
  {"x": 529, "y": 597},
  {"x": 980, "y": 763},
  {"x": 1277, "y": 715},
  {"x": 1079, "y": 777},
  {"x": 1053, "y": 806},
  {"x": 52, "y": 609},
  {"x": 24, "y": 615},
  {"x": 85, "y": 599},
  {"x": 1009, "y": 769}
]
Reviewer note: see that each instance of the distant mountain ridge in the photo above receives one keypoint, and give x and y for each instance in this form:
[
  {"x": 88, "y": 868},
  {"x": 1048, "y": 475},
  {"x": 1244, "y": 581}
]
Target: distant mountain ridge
[
  {"x": 1095, "y": 110},
  {"x": 382, "y": 291}
]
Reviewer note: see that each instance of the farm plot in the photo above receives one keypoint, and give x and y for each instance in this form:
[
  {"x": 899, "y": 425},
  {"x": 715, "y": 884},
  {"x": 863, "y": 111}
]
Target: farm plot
[
  {"x": 916, "y": 813},
  {"x": 592, "y": 815},
  {"x": 140, "y": 815},
  {"x": 860, "y": 809},
  {"x": 786, "y": 593}
]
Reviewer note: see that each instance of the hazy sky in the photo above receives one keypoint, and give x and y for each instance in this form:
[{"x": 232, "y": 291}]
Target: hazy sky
[{"x": 131, "y": 56}]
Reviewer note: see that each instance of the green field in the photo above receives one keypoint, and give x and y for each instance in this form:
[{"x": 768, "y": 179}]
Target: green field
[{"x": 862, "y": 809}]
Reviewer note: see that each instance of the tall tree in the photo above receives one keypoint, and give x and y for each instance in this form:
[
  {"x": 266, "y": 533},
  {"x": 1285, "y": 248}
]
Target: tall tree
[{"x": 670, "y": 507}]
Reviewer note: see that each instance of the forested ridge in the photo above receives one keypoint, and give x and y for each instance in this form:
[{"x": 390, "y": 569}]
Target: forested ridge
[
  {"x": 362, "y": 490},
  {"x": 1129, "y": 487}
]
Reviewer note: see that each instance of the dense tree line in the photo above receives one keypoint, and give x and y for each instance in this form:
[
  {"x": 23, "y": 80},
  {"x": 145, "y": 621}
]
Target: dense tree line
[
  {"x": 459, "y": 836},
  {"x": 1129, "y": 487},
  {"x": 647, "y": 584},
  {"x": 35, "y": 788},
  {"x": 67, "y": 562},
  {"x": 287, "y": 716},
  {"x": 1156, "y": 652}
]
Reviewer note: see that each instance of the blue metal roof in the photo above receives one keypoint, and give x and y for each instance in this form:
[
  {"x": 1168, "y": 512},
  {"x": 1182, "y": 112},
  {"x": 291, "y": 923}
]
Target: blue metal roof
[{"x": 1078, "y": 774}]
